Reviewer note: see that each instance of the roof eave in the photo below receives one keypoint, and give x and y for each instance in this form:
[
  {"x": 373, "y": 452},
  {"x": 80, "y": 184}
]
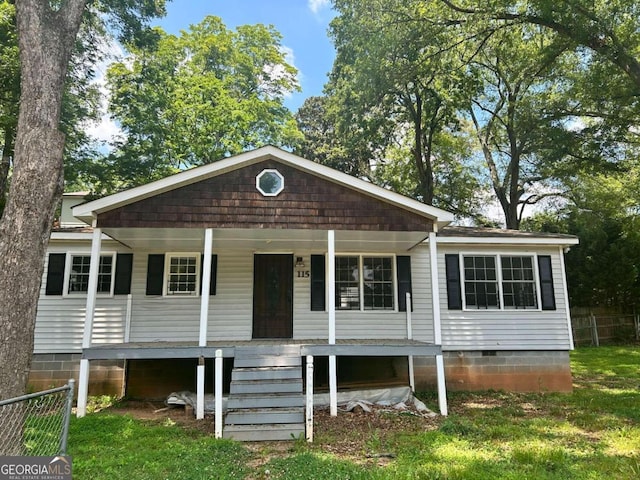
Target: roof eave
[{"x": 508, "y": 240}]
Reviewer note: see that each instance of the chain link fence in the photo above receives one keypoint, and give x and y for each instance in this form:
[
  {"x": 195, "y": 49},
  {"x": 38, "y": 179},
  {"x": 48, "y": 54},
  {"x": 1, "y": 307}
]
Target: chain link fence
[{"x": 36, "y": 424}]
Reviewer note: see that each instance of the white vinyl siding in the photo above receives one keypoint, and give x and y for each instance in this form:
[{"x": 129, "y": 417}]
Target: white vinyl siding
[
  {"x": 507, "y": 329},
  {"x": 359, "y": 324},
  {"x": 157, "y": 318},
  {"x": 60, "y": 321},
  {"x": 422, "y": 315},
  {"x": 231, "y": 308}
]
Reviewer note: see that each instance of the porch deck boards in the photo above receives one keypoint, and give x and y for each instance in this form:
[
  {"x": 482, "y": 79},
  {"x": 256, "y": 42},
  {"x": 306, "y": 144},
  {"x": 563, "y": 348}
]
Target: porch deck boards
[{"x": 316, "y": 347}]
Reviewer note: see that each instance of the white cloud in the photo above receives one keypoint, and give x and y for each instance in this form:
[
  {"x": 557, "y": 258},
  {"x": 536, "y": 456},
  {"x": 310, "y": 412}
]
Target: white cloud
[
  {"x": 105, "y": 129},
  {"x": 316, "y": 5},
  {"x": 276, "y": 72},
  {"x": 289, "y": 57}
]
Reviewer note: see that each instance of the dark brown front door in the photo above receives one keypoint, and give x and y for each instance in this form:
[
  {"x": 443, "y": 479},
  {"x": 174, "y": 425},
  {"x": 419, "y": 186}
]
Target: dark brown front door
[{"x": 273, "y": 296}]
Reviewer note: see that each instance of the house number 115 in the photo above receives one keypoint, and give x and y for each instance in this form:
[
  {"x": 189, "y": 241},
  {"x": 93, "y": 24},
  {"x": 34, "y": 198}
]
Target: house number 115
[{"x": 303, "y": 274}]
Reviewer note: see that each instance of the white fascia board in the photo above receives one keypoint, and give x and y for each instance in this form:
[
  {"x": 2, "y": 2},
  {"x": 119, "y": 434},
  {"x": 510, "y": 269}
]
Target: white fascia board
[
  {"x": 508, "y": 241},
  {"x": 86, "y": 211},
  {"x": 76, "y": 236}
]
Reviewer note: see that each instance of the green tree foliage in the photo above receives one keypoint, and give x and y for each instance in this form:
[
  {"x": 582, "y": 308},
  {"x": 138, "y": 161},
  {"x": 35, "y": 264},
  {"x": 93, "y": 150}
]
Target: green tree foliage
[
  {"x": 518, "y": 111},
  {"x": 392, "y": 109},
  {"x": 192, "y": 99},
  {"x": 9, "y": 91},
  {"x": 47, "y": 33},
  {"x": 604, "y": 270},
  {"x": 608, "y": 28},
  {"x": 322, "y": 142},
  {"x": 80, "y": 103},
  {"x": 414, "y": 79},
  {"x": 601, "y": 107}
]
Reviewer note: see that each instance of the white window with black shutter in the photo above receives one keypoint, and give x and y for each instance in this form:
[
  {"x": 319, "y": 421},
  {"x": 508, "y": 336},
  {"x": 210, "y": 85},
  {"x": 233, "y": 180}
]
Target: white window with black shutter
[
  {"x": 68, "y": 274},
  {"x": 505, "y": 281},
  {"x": 363, "y": 282},
  {"x": 178, "y": 274}
]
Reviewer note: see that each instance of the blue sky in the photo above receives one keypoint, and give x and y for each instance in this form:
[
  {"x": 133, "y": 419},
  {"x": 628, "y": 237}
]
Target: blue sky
[{"x": 302, "y": 23}]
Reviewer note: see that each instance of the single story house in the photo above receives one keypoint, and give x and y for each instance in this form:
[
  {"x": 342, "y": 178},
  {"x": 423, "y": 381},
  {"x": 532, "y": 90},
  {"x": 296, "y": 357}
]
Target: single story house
[{"x": 273, "y": 262}]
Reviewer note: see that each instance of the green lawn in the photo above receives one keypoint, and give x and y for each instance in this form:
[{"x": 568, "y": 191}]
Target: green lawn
[{"x": 592, "y": 433}]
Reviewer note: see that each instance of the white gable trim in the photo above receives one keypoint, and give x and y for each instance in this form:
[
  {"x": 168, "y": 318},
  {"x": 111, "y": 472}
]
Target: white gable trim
[{"x": 87, "y": 211}]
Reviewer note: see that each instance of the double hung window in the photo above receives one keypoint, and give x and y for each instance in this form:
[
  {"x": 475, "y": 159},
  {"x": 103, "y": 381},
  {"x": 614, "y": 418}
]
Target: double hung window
[
  {"x": 518, "y": 282},
  {"x": 505, "y": 281},
  {"x": 78, "y": 277},
  {"x": 182, "y": 274},
  {"x": 365, "y": 283},
  {"x": 480, "y": 282}
]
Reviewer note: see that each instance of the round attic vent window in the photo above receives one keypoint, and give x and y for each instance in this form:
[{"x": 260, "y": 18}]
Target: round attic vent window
[{"x": 270, "y": 182}]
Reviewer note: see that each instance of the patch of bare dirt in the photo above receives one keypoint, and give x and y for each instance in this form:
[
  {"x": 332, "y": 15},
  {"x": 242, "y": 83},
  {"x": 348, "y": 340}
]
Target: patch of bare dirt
[{"x": 358, "y": 433}]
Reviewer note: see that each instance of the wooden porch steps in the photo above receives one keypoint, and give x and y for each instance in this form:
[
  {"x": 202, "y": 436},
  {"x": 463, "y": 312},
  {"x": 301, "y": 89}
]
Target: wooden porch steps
[{"x": 266, "y": 399}]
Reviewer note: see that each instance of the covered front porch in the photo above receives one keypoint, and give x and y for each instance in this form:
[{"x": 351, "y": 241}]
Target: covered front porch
[
  {"x": 312, "y": 262},
  {"x": 337, "y": 332}
]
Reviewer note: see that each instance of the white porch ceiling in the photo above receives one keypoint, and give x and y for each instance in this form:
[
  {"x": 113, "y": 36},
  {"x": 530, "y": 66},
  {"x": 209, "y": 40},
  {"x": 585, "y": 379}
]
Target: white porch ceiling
[{"x": 262, "y": 240}]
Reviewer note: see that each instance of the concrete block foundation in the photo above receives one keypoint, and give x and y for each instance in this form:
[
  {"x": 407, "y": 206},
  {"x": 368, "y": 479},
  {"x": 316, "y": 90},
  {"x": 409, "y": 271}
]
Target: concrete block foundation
[
  {"x": 516, "y": 371},
  {"x": 50, "y": 370}
]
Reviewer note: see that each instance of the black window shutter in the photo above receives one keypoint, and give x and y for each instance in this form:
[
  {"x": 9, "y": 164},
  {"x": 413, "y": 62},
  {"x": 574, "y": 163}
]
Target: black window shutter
[
  {"x": 454, "y": 292},
  {"x": 214, "y": 273},
  {"x": 546, "y": 283},
  {"x": 155, "y": 274},
  {"x": 403, "y": 265},
  {"x": 55, "y": 274},
  {"x": 317, "y": 283},
  {"x": 124, "y": 264}
]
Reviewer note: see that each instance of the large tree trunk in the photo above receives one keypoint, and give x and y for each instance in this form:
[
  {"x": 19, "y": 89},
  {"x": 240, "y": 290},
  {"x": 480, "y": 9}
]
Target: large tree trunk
[{"x": 46, "y": 38}]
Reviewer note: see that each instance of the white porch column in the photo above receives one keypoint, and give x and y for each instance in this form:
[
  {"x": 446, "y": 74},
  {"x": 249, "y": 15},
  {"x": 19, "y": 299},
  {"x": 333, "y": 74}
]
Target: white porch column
[
  {"x": 206, "y": 283},
  {"x": 218, "y": 393},
  {"x": 412, "y": 377},
  {"x": 437, "y": 328},
  {"x": 309, "y": 400},
  {"x": 331, "y": 280},
  {"x": 92, "y": 290},
  {"x": 200, "y": 389}
]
